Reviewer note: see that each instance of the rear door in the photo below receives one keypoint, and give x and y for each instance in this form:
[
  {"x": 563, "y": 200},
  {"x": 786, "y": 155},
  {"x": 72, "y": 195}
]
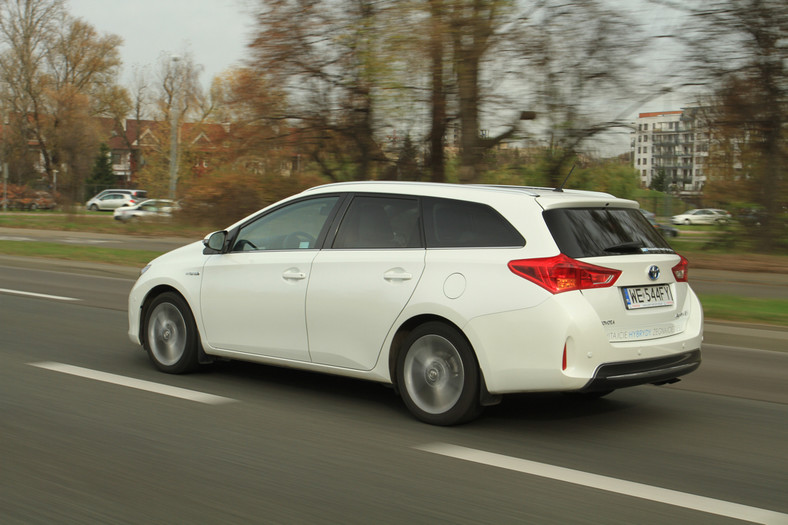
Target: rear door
[{"x": 647, "y": 301}]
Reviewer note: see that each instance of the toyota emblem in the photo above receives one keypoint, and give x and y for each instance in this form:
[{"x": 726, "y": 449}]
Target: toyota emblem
[{"x": 653, "y": 273}]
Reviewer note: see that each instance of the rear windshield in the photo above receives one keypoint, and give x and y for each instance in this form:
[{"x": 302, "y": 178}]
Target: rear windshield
[{"x": 595, "y": 232}]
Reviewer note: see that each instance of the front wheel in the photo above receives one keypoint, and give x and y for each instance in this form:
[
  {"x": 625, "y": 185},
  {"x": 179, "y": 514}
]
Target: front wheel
[
  {"x": 438, "y": 376},
  {"x": 93, "y": 207},
  {"x": 171, "y": 334}
]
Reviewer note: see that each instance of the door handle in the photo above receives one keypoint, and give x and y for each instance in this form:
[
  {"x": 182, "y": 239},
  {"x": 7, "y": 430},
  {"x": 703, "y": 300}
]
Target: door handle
[
  {"x": 293, "y": 275},
  {"x": 397, "y": 275}
]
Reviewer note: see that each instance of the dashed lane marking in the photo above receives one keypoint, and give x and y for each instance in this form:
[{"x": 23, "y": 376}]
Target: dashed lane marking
[
  {"x": 39, "y": 295},
  {"x": 139, "y": 384},
  {"x": 627, "y": 488}
]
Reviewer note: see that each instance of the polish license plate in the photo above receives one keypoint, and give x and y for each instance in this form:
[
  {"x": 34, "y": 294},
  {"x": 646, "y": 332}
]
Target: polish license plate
[{"x": 637, "y": 297}]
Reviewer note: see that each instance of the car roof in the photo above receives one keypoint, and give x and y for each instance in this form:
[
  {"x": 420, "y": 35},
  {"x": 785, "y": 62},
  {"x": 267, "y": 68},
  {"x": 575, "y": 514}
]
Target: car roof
[
  {"x": 443, "y": 189},
  {"x": 546, "y": 197}
]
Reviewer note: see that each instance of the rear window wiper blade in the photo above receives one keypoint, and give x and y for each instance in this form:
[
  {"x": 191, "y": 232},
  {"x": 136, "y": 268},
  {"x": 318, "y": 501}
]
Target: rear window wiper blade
[{"x": 625, "y": 247}]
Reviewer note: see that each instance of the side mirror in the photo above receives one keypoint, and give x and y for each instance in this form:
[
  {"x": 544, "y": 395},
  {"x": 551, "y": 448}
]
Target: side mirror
[{"x": 214, "y": 242}]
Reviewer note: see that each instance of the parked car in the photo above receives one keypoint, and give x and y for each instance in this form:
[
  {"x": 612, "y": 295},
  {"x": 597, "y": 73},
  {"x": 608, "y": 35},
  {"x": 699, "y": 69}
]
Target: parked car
[
  {"x": 21, "y": 197},
  {"x": 110, "y": 199},
  {"x": 700, "y": 216},
  {"x": 456, "y": 295},
  {"x": 151, "y": 208}
]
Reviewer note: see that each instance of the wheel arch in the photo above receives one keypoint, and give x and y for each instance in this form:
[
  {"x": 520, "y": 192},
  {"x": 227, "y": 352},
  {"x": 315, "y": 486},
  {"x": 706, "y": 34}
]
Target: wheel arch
[
  {"x": 156, "y": 291},
  {"x": 485, "y": 397}
]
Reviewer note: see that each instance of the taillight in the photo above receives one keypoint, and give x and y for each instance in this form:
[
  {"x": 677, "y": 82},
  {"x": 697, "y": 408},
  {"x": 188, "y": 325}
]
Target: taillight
[
  {"x": 563, "y": 274},
  {"x": 680, "y": 271}
]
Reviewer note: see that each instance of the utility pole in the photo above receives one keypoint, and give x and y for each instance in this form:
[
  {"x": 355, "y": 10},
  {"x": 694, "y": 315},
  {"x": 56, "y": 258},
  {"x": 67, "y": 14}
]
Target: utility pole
[{"x": 174, "y": 126}]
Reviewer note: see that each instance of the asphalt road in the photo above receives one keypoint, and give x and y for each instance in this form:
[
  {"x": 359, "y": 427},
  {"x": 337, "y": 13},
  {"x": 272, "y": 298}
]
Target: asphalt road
[{"x": 90, "y": 433}]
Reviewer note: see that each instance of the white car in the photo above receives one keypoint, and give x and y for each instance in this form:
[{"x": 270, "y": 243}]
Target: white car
[
  {"x": 151, "y": 208},
  {"x": 456, "y": 295},
  {"x": 701, "y": 216},
  {"x": 108, "y": 200}
]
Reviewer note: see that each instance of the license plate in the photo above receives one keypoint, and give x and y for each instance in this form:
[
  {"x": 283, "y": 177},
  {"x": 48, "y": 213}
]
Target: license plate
[{"x": 647, "y": 296}]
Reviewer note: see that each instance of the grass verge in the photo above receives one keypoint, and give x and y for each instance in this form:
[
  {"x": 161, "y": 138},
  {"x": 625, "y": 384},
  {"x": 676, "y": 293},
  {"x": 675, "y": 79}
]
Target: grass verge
[
  {"x": 69, "y": 252},
  {"x": 745, "y": 309}
]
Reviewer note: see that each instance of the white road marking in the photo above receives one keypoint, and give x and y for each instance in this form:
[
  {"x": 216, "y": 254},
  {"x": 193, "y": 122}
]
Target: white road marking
[
  {"x": 72, "y": 240},
  {"x": 40, "y": 295},
  {"x": 12, "y": 238},
  {"x": 139, "y": 384},
  {"x": 627, "y": 488}
]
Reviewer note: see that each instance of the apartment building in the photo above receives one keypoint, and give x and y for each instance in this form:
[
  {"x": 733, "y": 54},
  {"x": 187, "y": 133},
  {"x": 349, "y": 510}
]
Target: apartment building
[{"x": 675, "y": 143}]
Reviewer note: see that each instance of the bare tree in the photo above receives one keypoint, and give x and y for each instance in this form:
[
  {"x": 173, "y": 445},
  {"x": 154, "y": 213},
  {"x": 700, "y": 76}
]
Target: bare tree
[
  {"x": 57, "y": 72},
  {"x": 739, "y": 47}
]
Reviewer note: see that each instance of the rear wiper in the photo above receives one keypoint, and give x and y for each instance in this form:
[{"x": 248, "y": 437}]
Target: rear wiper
[{"x": 626, "y": 247}]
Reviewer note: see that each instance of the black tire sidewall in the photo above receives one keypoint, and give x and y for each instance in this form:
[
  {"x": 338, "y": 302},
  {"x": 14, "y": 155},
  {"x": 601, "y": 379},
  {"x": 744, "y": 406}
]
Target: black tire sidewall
[
  {"x": 467, "y": 406},
  {"x": 188, "y": 360}
]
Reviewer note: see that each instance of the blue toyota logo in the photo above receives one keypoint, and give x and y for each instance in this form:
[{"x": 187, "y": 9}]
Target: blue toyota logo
[{"x": 653, "y": 273}]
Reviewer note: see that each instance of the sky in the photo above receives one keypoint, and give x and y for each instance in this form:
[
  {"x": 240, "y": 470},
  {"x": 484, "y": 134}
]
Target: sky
[{"x": 214, "y": 31}]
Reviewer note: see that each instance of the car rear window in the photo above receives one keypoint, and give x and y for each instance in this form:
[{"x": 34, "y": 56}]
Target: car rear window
[
  {"x": 461, "y": 224},
  {"x": 595, "y": 232}
]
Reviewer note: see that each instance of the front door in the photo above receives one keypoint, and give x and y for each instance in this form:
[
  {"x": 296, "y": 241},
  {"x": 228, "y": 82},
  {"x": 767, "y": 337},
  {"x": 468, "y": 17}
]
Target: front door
[{"x": 254, "y": 297}]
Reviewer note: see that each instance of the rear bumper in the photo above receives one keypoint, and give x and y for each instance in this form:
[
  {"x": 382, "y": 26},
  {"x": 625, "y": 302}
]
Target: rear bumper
[{"x": 658, "y": 370}]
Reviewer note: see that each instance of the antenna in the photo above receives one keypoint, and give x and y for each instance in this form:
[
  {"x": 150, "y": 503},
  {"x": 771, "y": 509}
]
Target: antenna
[{"x": 560, "y": 188}]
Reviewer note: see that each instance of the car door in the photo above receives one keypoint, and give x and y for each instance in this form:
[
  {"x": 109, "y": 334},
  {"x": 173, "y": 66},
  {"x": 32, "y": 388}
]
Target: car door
[
  {"x": 110, "y": 201},
  {"x": 253, "y": 297},
  {"x": 360, "y": 284}
]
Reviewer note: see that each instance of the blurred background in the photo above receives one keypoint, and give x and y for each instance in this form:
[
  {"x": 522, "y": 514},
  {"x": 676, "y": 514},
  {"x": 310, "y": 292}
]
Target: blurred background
[{"x": 676, "y": 104}]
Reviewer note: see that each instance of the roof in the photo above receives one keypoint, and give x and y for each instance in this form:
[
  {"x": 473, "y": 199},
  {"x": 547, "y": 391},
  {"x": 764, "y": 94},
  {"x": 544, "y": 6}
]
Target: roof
[{"x": 659, "y": 114}]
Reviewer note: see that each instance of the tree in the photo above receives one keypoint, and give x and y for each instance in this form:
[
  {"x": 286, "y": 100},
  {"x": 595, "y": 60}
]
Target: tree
[
  {"x": 102, "y": 174},
  {"x": 57, "y": 71},
  {"x": 322, "y": 54},
  {"x": 739, "y": 48},
  {"x": 660, "y": 182}
]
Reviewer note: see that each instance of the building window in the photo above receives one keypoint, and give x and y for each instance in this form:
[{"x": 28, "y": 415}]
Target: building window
[
  {"x": 638, "y": 161},
  {"x": 645, "y": 150},
  {"x": 645, "y": 138},
  {"x": 645, "y": 127},
  {"x": 638, "y": 150}
]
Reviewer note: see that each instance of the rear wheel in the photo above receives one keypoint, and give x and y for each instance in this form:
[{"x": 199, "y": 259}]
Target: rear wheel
[
  {"x": 171, "y": 334},
  {"x": 93, "y": 207},
  {"x": 438, "y": 375}
]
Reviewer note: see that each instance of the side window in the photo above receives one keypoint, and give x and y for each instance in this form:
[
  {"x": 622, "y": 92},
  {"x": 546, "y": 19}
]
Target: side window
[
  {"x": 461, "y": 224},
  {"x": 380, "y": 222},
  {"x": 295, "y": 226}
]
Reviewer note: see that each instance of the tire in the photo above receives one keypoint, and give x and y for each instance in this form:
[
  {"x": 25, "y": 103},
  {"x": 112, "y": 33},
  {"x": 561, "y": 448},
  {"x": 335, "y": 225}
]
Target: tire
[
  {"x": 438, "y": 376},
  {"x": 93, "y": 207},
  {"x": 687, "y": 222},
  {"x": 170, "y": 334}
]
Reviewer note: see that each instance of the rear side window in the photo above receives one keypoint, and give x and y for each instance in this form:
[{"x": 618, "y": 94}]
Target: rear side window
[
  {"x": 460, "y": 224},
  {"x": 595, "y": 232}
]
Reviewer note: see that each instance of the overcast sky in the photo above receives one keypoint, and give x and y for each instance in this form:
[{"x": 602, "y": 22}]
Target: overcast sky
[{"x": 214, "y": 31}]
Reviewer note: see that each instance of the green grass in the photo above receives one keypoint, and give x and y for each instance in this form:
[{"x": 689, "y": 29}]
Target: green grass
[
  {"x": 745, "y": 309},
  {"x": 69, "y": 252}
]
